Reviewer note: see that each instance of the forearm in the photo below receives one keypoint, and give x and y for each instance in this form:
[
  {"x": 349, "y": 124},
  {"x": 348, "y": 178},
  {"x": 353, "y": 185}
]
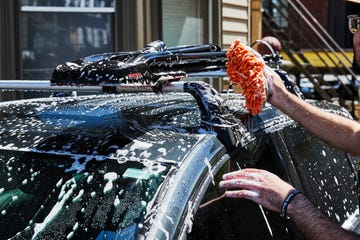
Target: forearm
[
  {"x": 337, "y": 131},
  {"x": 312, "y": 223}
]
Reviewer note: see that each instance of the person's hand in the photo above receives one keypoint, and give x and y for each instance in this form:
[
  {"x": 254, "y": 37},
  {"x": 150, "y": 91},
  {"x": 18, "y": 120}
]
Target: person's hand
[
  {"x": 275, "y": 86},
  {"x": 258, "y": 185}
]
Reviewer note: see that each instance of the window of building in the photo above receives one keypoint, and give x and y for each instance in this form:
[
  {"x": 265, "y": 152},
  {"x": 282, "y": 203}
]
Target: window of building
[
  {"x": 278, "y": 9},
  {"x": 53, "y": 32},
  {"x": 185, "y": 22}
]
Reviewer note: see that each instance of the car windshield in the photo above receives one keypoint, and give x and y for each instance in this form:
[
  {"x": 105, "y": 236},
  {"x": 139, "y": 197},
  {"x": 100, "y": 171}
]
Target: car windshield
[{"x": 89, "y": 167}]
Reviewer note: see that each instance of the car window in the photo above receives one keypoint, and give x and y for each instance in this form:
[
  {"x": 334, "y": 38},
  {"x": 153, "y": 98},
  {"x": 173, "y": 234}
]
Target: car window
[{"x": 327, "y": 175}]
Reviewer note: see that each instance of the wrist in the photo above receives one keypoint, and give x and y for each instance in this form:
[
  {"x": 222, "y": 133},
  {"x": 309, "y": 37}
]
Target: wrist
[
  {"x": 297, "y": 205},
  {"x": 287, "y": 201}
]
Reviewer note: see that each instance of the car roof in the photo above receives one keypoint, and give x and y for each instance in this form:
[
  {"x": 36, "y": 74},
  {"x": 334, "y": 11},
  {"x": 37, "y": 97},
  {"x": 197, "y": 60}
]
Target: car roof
[{"x": 69, "y": 153}]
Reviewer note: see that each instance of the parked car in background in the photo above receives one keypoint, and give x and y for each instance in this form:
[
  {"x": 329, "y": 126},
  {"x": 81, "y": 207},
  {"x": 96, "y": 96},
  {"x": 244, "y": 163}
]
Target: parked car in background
[{"x": 143, "y": 159}]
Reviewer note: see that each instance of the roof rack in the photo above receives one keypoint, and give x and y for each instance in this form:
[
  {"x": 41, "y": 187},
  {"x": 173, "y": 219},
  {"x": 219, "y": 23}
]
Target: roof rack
[
  {"x": 158, "y": 69},
  {"x": 143, "y": 67}
]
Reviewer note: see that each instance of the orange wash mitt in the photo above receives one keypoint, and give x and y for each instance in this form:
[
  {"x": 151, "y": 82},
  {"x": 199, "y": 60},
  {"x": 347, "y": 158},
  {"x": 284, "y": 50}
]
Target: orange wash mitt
[{"x": 246, "y": 70}]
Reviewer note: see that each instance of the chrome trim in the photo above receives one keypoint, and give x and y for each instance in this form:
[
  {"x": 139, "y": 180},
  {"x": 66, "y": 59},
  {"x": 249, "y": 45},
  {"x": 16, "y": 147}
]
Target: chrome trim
[{"x": 39, "y": 85}]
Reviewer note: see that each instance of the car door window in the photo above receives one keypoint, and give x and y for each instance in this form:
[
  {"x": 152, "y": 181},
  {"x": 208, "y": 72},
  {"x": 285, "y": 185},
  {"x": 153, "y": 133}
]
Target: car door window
[{"x": 328, "y": 176}]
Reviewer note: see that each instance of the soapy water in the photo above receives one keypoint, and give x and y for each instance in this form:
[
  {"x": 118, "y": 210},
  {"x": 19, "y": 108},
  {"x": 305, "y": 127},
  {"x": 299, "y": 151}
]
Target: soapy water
[{"x": 208, "y": 165}]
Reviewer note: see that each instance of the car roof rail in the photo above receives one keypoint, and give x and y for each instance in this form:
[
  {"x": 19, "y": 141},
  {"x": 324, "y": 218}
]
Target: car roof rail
[{"x": 43, "y": 85}]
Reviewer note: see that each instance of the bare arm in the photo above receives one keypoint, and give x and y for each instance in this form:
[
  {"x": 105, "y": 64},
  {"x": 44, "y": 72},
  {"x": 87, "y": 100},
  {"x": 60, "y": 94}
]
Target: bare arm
[
  {"x": 337, "y": 131},
  {"x": 312, "y": 223},
  {"x": 269, "y": 190}
]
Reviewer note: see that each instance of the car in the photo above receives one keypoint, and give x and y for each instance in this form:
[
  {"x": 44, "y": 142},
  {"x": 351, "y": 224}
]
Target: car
[{"x": 142, "y": 159}]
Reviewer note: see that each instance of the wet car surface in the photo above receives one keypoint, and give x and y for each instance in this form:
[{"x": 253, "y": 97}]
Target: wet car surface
[
  {"x": 146, "y": 166},
  {"x": 124, "y": 165},
  {"x": 68, "y": 155}
]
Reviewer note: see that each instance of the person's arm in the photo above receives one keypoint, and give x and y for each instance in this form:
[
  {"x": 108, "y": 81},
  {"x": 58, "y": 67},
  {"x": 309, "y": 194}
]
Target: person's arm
[
  {"x": 312, "y": 223},
  {"x": 337, "y": 131},
  {"x": 268, "y": 190}
]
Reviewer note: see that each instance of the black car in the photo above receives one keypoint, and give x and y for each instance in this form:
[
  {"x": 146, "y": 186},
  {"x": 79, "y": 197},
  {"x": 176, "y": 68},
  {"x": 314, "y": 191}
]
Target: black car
[{"x": 143, "y": 159}]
